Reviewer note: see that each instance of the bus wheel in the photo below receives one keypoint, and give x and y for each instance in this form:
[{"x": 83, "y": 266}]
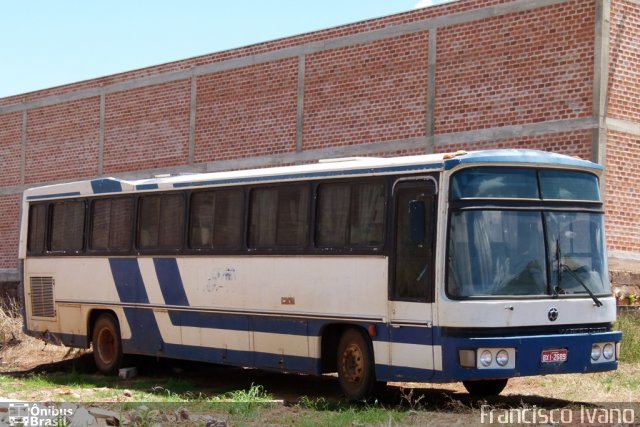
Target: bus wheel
[
  {"x": 482, "y": 388},
  {"x": 356, "y": 371},
  {"x": 107, "y": 345}
]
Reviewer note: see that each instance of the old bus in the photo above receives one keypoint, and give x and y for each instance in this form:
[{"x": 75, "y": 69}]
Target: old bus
[{"x": 473, "y": 267}]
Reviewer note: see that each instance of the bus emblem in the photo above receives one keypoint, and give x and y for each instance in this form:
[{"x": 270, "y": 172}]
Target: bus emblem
[{"x": 553, "y": 314}]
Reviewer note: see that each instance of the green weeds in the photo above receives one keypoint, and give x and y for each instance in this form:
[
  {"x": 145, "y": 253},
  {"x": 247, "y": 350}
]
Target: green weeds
[{"x": 629, "y": 323}]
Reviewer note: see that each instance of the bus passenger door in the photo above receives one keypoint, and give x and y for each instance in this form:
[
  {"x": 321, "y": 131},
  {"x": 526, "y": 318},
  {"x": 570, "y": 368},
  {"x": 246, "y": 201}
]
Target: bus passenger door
[{"x": 411, "y": 279}]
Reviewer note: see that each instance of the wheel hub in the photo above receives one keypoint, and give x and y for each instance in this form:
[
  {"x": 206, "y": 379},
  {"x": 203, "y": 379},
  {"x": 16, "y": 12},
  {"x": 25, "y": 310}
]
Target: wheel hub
[
  {"x": 106, "y": 346},
  {"x": 353, "y": 364}
]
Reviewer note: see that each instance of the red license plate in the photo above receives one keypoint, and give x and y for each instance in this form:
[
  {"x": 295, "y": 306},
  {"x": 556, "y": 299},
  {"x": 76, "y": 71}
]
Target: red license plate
[{"x": 554, "y": 356}]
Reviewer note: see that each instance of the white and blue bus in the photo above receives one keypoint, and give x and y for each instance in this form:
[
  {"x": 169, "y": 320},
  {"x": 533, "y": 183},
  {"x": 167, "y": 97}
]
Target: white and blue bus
[{"x": 473, "y": 267}]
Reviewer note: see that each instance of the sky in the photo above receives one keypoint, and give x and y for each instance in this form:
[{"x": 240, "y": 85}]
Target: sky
[{"x": 46, "y": 43}]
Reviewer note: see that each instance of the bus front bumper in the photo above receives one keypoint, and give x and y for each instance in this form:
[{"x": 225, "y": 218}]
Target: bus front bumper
[{"x": 466, "y": 358}]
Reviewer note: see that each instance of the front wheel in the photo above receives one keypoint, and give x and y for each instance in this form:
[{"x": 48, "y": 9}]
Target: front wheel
[
  {"x": 483, "y": 388},
  {"x": 356, "y": 371},
  {"x": 107, "y": 345}
]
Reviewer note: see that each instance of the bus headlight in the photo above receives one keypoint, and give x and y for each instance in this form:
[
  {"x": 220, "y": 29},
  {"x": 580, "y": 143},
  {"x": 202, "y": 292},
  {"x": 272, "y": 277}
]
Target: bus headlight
[
  {"x": 502, "y": 358},
  {"x": 608, "y": 351},
  {"x": 486, "y": 358},
  {"x": 596, "y": 352}
]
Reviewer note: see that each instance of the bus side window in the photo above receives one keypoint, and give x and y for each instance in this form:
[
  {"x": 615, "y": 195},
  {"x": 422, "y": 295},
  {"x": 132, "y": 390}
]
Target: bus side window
[
  {"x": 161, "y": 221},
  {"x": 216, "y": 219},
  {"x": 67, "y": 227},
  {"x": 279, "y": 217},
  {"x": 37, "y": 222},
  {"x": 350, "y": 215},
  {"x": 111, "y": 224}
]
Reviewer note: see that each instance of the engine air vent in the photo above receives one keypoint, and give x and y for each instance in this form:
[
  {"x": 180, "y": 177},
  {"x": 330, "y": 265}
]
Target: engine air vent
[{"x": 42, "y": 304}]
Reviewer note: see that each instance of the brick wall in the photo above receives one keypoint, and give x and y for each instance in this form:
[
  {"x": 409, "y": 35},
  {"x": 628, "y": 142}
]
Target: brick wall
[
  {"x": 365, "y": 93},
  {"x": 250, "y": 111},
  {"x": 624, "y": 61},
  {"x": 9, "y": 230},
  {"x": 147, "y": 128},
  {"x": 623, "y": 137},
  {"x": 10, "y": 139},
  {"x": 521, "y": 68},
  {"x": 470, "y": 74},
  {"x": 577, "y": 143},
  {"x": 623, "y": 192},
  {"x": 62, "y": 141}
]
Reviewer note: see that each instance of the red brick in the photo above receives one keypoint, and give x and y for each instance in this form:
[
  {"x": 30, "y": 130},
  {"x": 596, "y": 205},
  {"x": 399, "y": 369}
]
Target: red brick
[
  {"x": 62, "y": 141},
  {"x": 147, "y": 128},
  {"x": 247, "y": 112},
  {"x": 10, "y": 148}
]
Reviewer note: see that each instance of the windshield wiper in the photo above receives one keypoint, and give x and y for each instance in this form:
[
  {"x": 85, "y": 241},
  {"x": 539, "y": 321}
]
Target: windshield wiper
[
  {"x": 595, "y": 299},
  {"x": 558, "y": 287},
  {"x": 564, "y": 267}
]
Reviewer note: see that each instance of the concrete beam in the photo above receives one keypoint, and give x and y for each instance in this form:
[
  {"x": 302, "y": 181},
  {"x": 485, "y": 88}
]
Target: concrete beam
[
  {"x": 624, "y": 126},
  {"x": 431, "y": 88},
  {"x": 601, "y": 80},
  {"x": 514, "y": 131},
  {"x": 9, "y": 275}
]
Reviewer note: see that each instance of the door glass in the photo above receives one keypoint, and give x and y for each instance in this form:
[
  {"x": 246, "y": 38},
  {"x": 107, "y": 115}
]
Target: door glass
[{"x": 415, "y": 220}]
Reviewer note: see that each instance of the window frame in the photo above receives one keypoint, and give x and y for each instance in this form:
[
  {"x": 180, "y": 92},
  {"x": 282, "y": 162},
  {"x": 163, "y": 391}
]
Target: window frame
[
  {"x": 242, "y": 247},
  {"x": 279, "y": 249},
  {"x": 353, "y": 249},
  {"x": 45, "y": 225},
  {"x": 514, "y": 204},
  {"x": 402, "y": 183},
  {"x": 160, "y": 250},
  {"x": 91, "y": 218},
  {"x": 49, "y": 228}
]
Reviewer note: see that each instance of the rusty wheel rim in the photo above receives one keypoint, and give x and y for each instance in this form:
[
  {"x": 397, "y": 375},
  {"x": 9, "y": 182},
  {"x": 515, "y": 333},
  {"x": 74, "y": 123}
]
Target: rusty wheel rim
[
  {"x": 106, "y": 346},
  {"x": 353, "y": 364}
]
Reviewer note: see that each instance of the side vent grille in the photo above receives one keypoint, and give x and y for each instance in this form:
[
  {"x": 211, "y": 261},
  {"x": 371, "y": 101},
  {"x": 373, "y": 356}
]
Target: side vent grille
[{"x": 42, "y": 304}]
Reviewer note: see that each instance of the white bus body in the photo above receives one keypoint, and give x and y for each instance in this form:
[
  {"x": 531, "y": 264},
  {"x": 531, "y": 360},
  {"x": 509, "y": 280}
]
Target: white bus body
[{"x": 313, "y": 307}]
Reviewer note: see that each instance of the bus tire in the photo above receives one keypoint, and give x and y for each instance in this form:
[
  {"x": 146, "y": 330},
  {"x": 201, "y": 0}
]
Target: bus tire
[
  {"x": 356, "y": 370},
  {"x": 483, "y": 388},
  {"x": 107, "y": 345}
]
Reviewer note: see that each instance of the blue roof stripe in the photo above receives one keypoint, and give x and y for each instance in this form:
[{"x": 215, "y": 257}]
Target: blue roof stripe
[
  {"x": 53, "y": 196},
  {"x": 147, "y": 187},
  {"x": 106, "y": 185},
  {"x": 311, "y": 175}
]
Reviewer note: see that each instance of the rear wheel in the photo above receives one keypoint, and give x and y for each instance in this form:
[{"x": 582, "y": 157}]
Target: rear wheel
[
  {"x": 107, "y": 345},
  {"x": 356, "y": 370},
  {"x": 482, "y": 388}
]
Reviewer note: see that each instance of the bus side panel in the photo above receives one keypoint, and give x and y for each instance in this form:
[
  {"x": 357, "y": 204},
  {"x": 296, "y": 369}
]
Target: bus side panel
[{"x": 249, "y": 311}]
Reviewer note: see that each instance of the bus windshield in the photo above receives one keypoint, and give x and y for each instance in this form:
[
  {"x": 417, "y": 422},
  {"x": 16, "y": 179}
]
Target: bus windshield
[{"x": 502, "y": 252}]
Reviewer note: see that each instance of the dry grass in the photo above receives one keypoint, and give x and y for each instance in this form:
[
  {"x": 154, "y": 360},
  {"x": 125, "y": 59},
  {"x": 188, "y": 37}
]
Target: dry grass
[
  {"x": 10, "y": 323},
  {"x": 19, "y": 351}
]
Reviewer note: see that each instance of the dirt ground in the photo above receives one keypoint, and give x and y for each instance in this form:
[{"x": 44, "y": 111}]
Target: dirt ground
[
  {"x": 423, "y": 404},
  {"x": 36, "y": 356}
]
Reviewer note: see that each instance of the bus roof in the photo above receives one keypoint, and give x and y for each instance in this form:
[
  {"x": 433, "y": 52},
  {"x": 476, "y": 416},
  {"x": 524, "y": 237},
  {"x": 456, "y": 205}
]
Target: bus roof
[{"x": 330, "y": 168}]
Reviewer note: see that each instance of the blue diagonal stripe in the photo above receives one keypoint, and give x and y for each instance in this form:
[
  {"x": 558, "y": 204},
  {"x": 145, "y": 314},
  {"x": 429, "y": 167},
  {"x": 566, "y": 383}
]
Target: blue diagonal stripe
[
  {"x": 128, "y": 280},
  {"x": 170, "y": 281}
]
